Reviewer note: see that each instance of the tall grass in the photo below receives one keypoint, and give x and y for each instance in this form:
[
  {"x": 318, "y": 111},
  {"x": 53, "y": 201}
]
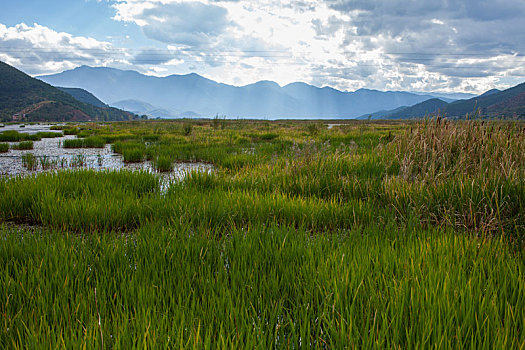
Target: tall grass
[
  {"x": 30, "y": 162},
  {"x": 4, "y": 147},
  {"x": 467, "y": 174},
  {"x": 265, "y": 287},
  {"x": 438, "y": 149}
]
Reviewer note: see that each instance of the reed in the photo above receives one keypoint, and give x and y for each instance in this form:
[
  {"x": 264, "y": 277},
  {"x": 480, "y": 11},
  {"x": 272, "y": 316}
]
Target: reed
[{"x": 29, "y": 161}]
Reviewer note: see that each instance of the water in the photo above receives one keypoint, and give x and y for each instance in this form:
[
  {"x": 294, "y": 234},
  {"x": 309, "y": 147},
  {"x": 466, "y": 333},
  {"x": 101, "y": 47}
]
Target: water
[
  {"x": 27, "y": 128},
  {"x": 57, "y": 157},
  {"x": 330, "y": 126}
]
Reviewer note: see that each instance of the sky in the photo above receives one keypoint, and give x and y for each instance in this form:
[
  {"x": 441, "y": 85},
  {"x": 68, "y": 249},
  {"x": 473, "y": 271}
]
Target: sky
[{"x": 410, "y": 45}]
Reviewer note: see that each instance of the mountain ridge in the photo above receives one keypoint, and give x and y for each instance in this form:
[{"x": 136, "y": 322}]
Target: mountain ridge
[
  {"x": 492, "y": 104},
  {"x": 24, "y": 98},
  {"x": 205, "y": 97}
]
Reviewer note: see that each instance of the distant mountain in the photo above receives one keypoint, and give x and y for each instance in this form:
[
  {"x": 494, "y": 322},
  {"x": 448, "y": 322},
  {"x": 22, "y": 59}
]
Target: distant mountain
[
  {"x": 135, "y": 106},
  {"x": 490, "y": 92},
  {"x": 84, "y": 96},
  {"x": 28, "y": 99},
  {"x": 449, "y": 96},
  {"x": 493, "y": 104},
  {"x": 425, "y": 108},
  {"x": 382, "y": 114},
  {"x": 207, "y": 98},
  {"x": 144, "y": 108}
]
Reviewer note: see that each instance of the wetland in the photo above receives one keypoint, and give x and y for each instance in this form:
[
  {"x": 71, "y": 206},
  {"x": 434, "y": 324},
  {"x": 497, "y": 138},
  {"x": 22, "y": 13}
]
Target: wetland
[{"x": 282, "y": 234}]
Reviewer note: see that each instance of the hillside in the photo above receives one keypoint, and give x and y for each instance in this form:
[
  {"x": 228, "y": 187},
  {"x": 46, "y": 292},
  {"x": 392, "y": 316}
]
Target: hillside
[
  {"x": 205, "y": 97},
  {"x": 492, "y": 104},
  {"x": 35, "y": 100},
  {"x": 496, "y": 104},
  {"x": 144, "y": 108},
  {"x": 425, "y": 108},
  {"x": 83, "y": 96}
]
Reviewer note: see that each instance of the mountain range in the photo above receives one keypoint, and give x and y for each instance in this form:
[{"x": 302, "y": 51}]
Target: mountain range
[
  {"x": 192, "y": 95},
  {"x": 494, "y": 103},
  {"x": 24, "y": 98}
]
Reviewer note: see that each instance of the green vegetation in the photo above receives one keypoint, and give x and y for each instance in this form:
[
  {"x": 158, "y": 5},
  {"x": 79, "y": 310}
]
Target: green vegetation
[
  {"x": 29, "y": 161},
  {"x": 369, "y": 235},
  {"x": 48, "y": 134},
  {"x": 24, "y": 145},
  {"x": 88, "y": 142},
  {"x": 4, "y": 147},
  {"x": 163, "y": 163},
  {"x": 15, "y": 136}
]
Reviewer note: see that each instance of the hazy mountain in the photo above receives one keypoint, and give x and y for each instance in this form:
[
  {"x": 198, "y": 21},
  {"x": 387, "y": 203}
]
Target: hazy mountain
[
  {"x": 35, "y": 100},
  {"x": 493, "y": 103},
  {"x": 205, "y": 97},
  {"x": 425, "y": 108},
  {"x": 135, "y": 106},
  {"x": 449, "y": 97},
  {"x": 490, "y": 92},
  {"x": 383, "y": 114},
  {"x": 144, "y": 108},
  {"x": 84, "y": 96}
]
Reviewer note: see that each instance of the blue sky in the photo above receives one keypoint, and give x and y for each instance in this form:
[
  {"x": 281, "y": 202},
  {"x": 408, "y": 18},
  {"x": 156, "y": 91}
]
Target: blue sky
[{"x": 442, "y": 45}]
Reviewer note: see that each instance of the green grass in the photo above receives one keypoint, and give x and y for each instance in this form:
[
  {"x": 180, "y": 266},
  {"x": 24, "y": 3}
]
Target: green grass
[
  {"x": 163, "y": 163},
  {"x": 261, "y": 288},
  {"x": 88, "y": 142},
  {"x": 30, "y": 162},
  {"x": 367, "y": 235},
  {"x": 15, "y": 136},
  {"x": 49, "y": 134},
  {"x": 24, "y": 145},
  {"x": 4, "y": 147}
]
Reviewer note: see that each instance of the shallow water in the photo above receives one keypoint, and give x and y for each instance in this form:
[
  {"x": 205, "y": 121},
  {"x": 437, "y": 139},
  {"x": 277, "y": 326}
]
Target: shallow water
[
  {"x": 50, "y": 151},
  {"x": 27, "y": 128},
  {"x": 330, "y": 126}
]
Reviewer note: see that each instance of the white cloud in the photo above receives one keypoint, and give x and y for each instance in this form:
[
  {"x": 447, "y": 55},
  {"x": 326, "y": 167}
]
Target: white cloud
[
  {"x": 37, "y": 49},
  {"x": 444, "y": 45},
  {"x": 346, "y": 44}
]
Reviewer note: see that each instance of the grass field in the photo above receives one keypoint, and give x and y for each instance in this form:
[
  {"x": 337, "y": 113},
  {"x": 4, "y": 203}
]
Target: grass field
[{"x": 368, "y": 234}]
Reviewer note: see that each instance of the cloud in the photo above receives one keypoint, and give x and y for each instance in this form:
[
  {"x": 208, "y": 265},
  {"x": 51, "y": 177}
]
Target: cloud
[
  {"x": 186, "y": 23},
  {"x": 37, "y": 49},
  {"x": 440, "y": 45}
]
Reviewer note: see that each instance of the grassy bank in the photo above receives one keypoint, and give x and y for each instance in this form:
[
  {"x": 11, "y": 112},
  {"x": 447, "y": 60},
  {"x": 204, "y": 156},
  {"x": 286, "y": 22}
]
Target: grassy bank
[{"x": 365, "y": 235}]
